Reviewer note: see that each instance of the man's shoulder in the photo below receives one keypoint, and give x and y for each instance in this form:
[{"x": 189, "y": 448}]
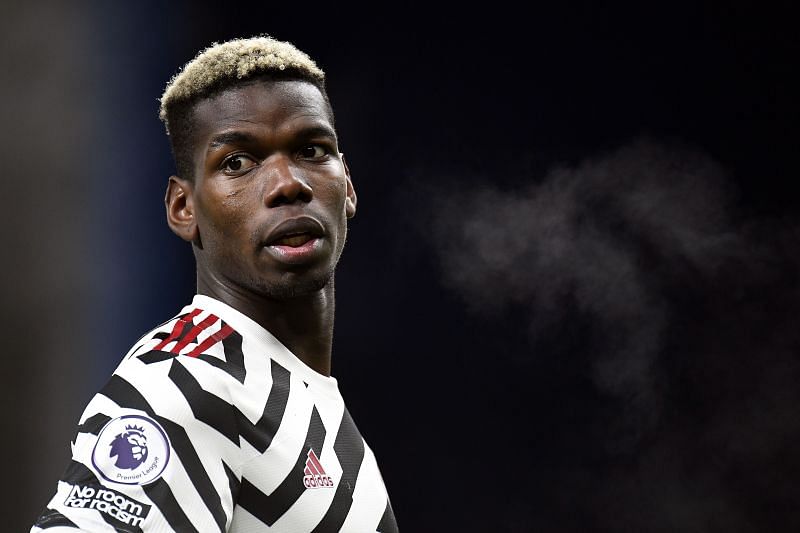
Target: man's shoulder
[
  {"x": 189, "y": 367},
  {"x": 197, "y": 338}
]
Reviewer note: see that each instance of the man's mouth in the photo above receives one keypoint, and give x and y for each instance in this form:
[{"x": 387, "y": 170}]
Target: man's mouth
[
  {"x": 295, "y": 232},
  {"x": 294, "y": 241}
]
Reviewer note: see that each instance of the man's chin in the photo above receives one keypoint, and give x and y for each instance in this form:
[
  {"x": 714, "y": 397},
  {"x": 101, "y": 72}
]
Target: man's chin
[{"x": 296, "y": 286}]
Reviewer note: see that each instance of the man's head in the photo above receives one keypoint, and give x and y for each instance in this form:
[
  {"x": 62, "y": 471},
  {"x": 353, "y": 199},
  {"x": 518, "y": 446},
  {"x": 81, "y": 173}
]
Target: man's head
[
  {"x": 262, "y": 192},
  {"x": 225, "y": 65}
]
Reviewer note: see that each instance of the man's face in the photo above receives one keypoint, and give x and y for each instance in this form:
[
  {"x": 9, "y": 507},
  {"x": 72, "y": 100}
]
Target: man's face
[{"x": 271, "y": 194}]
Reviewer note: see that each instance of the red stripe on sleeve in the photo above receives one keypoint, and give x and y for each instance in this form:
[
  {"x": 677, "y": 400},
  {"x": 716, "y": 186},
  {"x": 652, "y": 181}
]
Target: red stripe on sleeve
[
  {"x": 192, "y": 335},
  {"x": 211, "y": 341},
  {"x": 177, "y": 328}
]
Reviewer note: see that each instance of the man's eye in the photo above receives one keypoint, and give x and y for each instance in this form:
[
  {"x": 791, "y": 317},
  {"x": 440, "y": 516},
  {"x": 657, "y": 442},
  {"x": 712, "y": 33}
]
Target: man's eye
[
  {"x": 237, "y": 163},
  {"x": 313, "y": 151}
]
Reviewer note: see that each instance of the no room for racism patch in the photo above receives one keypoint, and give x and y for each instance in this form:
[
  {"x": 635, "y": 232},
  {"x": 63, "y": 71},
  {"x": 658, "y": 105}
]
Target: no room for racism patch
[{"x": 125, "y": 513}]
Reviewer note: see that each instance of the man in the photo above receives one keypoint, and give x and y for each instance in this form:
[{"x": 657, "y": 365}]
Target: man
[{"x": 226, "y": 418}]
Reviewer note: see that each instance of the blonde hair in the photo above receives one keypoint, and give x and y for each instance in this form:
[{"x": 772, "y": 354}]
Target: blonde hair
[{"x": 226, "y": 63}]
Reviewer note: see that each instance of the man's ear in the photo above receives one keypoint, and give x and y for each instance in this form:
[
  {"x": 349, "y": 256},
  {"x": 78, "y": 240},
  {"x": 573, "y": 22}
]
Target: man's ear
[
  {"x": 179, "y": 202},
  {"x": 350, "y": 200}
]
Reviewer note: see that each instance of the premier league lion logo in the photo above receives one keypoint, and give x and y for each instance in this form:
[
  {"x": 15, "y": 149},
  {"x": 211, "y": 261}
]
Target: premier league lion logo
[{"x": 129, "y": 447}]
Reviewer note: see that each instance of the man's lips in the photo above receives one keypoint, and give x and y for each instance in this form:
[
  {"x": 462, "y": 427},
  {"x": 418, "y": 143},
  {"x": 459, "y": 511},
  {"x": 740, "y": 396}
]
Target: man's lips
[
  {"x": 295, "y": 232},
  {"x": 296, "y": 240}
]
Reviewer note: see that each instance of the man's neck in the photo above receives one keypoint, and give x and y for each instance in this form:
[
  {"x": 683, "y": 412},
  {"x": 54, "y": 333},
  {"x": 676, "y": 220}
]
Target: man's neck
[{"x": 303, "y": 324}]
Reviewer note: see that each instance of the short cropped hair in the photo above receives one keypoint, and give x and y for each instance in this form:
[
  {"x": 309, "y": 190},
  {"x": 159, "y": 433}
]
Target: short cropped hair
[{"x": 225, "y": 65}]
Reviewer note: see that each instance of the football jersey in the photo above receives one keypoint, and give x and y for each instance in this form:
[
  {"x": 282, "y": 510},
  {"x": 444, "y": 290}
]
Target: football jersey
[{"x": 211, "y": 424}]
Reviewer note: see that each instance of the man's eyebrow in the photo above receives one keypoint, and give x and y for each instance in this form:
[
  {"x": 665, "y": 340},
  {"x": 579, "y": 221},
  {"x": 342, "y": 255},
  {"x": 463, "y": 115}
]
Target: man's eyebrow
[
  {"x": 317, "y": 131},
  {"x": 241, "y": 137},
  {"x": 230, "y": 137}
]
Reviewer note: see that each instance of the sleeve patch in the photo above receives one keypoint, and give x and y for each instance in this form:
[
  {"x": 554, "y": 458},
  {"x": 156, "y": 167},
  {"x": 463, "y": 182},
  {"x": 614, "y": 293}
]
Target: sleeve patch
[
  {"x": 131, "y": 450},
  {"x": 119, "y": 510}
]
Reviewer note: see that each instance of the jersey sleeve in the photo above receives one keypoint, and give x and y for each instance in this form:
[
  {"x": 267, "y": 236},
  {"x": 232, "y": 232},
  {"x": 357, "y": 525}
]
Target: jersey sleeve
[{"x": 157, "y": 449}]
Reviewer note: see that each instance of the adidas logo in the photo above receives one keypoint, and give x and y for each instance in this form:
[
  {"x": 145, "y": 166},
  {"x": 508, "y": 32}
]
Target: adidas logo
[{"x": 315, "y": 477}]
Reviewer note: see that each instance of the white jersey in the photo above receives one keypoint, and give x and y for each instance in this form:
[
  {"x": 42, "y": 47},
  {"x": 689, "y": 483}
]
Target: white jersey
[{"x": 211, "y": 424}]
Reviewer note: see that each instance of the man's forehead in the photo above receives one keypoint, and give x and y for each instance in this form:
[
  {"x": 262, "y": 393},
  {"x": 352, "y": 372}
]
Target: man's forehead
[{"x": 262, "y": 102}]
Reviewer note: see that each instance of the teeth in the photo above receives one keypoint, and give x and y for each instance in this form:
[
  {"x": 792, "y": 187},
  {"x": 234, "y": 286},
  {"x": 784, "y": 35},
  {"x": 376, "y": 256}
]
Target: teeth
[{"x": 294, "y": 240}]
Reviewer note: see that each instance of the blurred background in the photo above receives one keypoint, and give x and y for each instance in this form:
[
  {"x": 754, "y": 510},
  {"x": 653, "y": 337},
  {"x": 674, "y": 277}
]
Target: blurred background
[{"x": 570, "y": 295}]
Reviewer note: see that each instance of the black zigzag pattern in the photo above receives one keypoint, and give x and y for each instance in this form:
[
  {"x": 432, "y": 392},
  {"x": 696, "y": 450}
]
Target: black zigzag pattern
[
  {"x": 155, "y": 356},
  {"x": 349, "y": 448},
  {"x": 234, "y": 358},
  {"x": 388, "y": 524},
  {"x": 227, "y": 418},
  {"x": 94, "y": 424},
  {"x": 269, "y": 508},
  {"x": 52, "y": 518}
]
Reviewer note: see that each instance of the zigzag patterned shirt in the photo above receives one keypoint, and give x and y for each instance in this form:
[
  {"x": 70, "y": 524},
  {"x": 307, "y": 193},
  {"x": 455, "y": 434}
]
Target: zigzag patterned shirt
[{"x": 211, "y": 424}]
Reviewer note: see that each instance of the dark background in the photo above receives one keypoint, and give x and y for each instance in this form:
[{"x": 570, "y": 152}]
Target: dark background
[{"x": 569, "y": 296}]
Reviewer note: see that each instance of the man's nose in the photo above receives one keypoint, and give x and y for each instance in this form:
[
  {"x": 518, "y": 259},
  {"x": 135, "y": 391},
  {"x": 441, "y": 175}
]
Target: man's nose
[{"x": 285, "y": 183}]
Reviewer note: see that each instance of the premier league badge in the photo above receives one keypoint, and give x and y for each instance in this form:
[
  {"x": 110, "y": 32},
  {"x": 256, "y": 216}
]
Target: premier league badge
[{"x": 132, "y": 450}]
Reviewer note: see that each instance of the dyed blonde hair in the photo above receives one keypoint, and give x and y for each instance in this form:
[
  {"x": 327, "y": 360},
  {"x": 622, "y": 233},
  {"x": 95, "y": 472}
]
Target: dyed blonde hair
[{"x": 236, "y": 60}]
